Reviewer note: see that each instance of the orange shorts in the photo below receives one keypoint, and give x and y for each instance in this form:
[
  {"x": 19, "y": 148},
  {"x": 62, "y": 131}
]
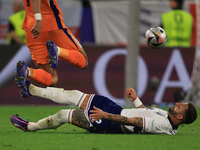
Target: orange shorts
[{"x": 62, "y": 38}]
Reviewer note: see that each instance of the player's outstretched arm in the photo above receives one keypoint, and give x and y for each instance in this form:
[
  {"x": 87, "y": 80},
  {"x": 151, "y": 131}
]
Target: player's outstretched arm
[
  {"x": 132, "y": 95},
  {"x": 99, "y": 114},
  {"x": 36, "y": 30}
]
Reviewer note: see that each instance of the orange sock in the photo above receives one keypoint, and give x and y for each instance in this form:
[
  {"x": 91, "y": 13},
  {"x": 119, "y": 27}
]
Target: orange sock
[
  {"x": 64, "y": 53},
  {"x": 73, "y": 57},
  {"x": 41, "y": 76}
]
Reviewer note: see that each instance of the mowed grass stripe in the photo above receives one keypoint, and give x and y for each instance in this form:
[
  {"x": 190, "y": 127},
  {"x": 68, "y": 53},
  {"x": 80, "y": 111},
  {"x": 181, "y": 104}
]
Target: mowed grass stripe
[{"x": 69, "y": 137}]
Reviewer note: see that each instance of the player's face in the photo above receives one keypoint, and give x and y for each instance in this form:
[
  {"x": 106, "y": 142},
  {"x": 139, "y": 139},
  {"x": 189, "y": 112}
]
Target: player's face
[
  {"x": 14, "y": 7},
  {"x": 173, "y": 4},
  {"x": 178, "y": 108}
]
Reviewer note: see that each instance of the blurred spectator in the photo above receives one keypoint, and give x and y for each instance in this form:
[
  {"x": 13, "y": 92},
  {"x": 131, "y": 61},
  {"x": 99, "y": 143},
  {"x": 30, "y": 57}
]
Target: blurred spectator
[
  {"x": 86, "y": 3},
  {"x": 178, "y": 25},
  {"x": 16, "y": 35}
]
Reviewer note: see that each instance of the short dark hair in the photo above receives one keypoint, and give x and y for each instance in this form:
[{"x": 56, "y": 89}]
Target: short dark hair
[
  {"x": 190, "y": 114},
  {"x": 180, "y": 3}
]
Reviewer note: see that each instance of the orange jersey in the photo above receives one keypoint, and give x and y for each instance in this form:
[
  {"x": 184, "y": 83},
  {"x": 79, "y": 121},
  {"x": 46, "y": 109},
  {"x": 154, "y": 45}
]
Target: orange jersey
[{"x": 51, "y": 16}]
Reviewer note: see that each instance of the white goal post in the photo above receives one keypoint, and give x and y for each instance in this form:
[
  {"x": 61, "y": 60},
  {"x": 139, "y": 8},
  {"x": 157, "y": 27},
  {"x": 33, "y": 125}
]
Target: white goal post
[{"x": 193, "y": 94}]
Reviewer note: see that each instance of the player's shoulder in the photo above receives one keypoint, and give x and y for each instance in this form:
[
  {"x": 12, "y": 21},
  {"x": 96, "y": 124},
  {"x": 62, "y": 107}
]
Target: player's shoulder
[
  {"x": 167, "y": 12},
  {"x": 154, "y": 108},
  {"x": 159, "y": 112}
]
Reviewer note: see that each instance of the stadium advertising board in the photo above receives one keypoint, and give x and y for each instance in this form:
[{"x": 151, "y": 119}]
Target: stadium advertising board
[{"x": 105, "y": 73}]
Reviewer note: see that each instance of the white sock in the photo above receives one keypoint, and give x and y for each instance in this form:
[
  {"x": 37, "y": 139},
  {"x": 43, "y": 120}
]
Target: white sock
[
  {"x": 58, "y": 95},
  {"x": 29, "y": 71},
  {"x": 52, "y": 122},
  {"x": 58, "y": 51}
]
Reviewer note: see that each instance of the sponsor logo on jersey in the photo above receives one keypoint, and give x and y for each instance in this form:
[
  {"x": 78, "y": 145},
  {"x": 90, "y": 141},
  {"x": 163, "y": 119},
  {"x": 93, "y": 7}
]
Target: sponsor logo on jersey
[{"x": 98, "y": 121}]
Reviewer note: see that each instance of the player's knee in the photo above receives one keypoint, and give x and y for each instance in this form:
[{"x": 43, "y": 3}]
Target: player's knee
[
  {"x": 64, "y": 115},
  {"x": 57, "y": 120},
  {"x": 86, "y": 64},
  {"x": 85, "y": 60},
  {"x": 60, "y": 113},
  {"x": 82, "y": 65}
]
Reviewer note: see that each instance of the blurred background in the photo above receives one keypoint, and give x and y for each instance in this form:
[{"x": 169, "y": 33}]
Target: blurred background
[{"x": 112, "y": 34}]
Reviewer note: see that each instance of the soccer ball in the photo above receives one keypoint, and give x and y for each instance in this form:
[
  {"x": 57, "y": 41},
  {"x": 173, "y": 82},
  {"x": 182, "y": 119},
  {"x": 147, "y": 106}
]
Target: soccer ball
[{"x": 156, "y": 37}]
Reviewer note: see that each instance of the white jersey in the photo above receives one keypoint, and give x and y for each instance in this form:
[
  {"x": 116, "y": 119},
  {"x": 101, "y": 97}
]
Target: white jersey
[{"x": 155, "y": 121}]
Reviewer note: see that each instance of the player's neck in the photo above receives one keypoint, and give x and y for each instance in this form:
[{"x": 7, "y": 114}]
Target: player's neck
[{"x": 173, "y": 118}]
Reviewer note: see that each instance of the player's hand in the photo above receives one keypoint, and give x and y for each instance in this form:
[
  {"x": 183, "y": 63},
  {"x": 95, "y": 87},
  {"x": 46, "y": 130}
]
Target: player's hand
[
  {"x": 36, "y": 30},
  {"x": 131, "y": 94},
  {"x": 96, "y": 114}
]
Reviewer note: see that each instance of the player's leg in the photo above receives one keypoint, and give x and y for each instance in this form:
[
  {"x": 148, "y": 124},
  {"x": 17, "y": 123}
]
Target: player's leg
[
  {"x": 38, "y": 75},
  {"x": 45, "y": 74},
  {"x": 68, "y": 48},
  {"x": 75, "y": 117},
  {"x": 82, "y": 51},
  {"x": 52, "y": 71},
  {"x": 58, "y": 95},
  {"x": 52, "y": 122},
  {"x": 79, "y": 119}
]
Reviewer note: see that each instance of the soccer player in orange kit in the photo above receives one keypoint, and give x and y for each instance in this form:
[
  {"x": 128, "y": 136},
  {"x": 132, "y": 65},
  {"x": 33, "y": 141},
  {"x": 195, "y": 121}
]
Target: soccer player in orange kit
[{"x": 47, "y": 39}]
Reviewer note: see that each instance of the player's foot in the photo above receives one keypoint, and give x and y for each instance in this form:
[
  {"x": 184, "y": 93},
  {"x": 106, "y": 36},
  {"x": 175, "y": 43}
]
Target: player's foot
[
  {"x": 21, "y": 74},
  {"x": 25, "y": 90},
  {"x": 19, "y": 122},
  {"x": 53, "y": 56}
]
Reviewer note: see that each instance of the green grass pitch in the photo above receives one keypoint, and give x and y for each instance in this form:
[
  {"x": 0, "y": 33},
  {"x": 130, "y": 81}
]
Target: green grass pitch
[{"x": 69, "y": 137}]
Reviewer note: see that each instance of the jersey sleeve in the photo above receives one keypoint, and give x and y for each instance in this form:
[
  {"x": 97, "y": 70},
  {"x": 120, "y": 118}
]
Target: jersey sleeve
[{"x": 156, "y": 125}]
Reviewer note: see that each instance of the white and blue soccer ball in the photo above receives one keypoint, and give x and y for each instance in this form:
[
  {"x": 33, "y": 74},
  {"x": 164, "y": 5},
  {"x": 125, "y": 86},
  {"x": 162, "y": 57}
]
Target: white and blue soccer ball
[{"x": 156, "y": 37}]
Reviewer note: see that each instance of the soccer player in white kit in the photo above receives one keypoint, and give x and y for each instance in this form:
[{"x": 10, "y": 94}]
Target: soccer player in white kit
[{"x": 98, "y": 114}]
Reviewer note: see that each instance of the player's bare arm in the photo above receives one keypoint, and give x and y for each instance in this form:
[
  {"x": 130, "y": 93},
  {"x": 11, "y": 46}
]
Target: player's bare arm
[
  {"x": 36, "y": 30},
  {"x": 99, "y": 114},
  {"x": 132, "y": 95}
]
